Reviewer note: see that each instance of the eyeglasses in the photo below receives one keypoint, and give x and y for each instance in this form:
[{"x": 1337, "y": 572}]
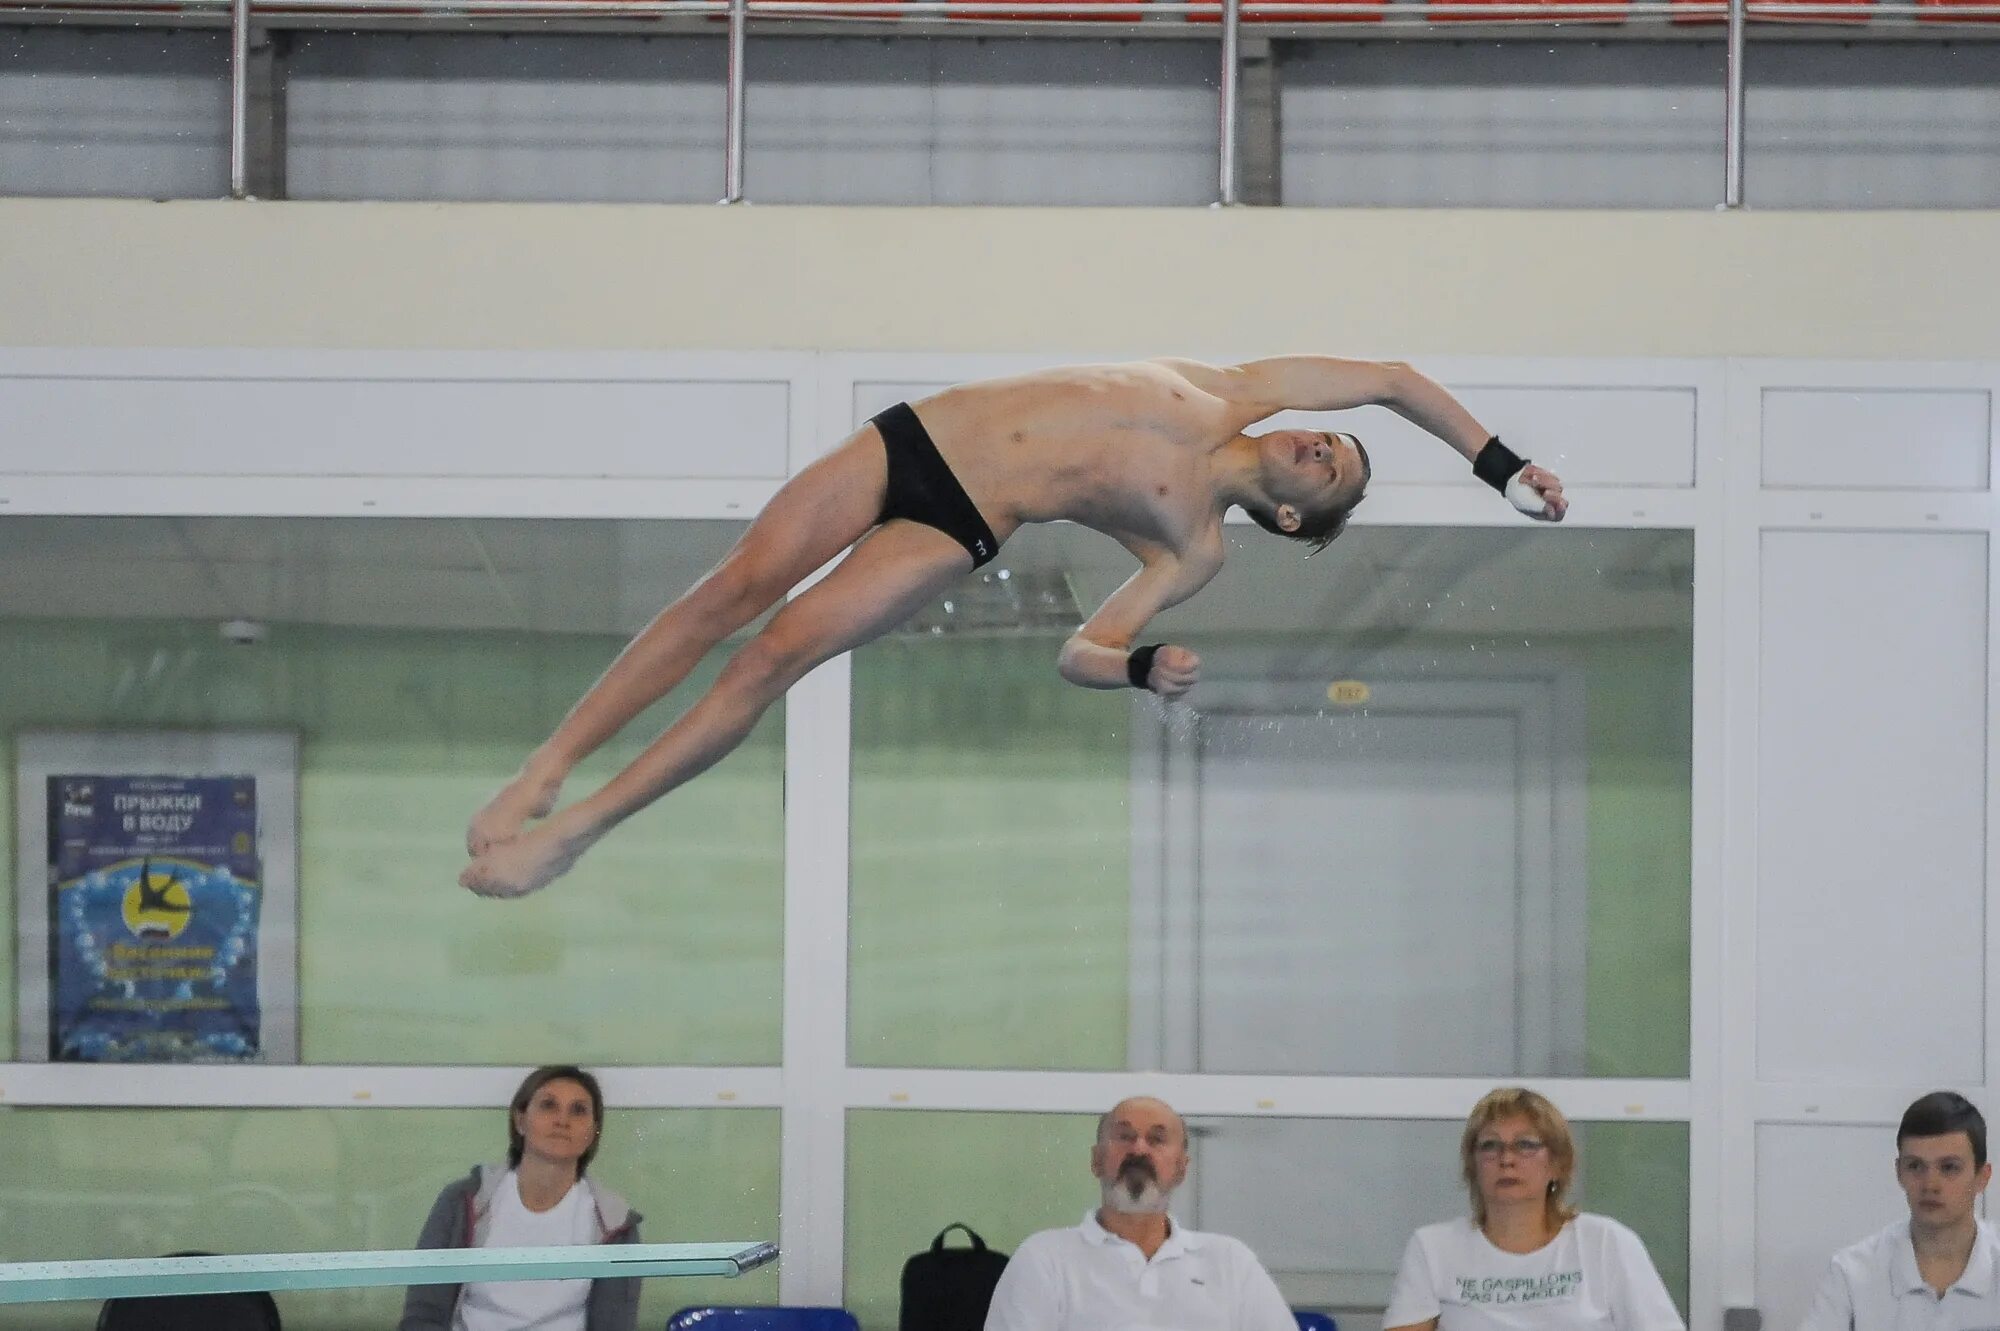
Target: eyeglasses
[{"x": 1524, "y": 1148}]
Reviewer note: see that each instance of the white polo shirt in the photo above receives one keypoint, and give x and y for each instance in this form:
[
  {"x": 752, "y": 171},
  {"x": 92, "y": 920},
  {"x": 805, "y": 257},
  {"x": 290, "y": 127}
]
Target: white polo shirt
[
  {"x": 1088, "y": 1279},
  {"x": 1874, "y": 1286}
]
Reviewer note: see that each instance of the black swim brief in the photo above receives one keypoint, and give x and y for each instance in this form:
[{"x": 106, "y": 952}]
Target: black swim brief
[{"x": 922, "y": 488}]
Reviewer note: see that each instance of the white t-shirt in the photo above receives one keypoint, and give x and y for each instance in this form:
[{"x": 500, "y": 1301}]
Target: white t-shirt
[
  {"x": 1088, "y": 1279},
  {"x": 530, "y": 1305},
  {"x": 1593, "y": 1276},
  {"x": 1875, "y": 1286}
]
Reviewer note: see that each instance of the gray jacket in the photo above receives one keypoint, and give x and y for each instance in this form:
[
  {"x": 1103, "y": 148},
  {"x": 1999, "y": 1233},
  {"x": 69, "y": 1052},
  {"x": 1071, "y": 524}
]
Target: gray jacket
[{"x": 459, "y": 1219}]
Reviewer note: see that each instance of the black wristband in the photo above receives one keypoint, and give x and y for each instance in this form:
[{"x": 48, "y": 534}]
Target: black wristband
[
  {"x": 1139, "y": 665},
  {"x": 1497, "y": 464}
]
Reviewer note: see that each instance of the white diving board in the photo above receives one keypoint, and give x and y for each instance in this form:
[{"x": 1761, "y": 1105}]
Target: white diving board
[{"x": 39, "y": 1282}]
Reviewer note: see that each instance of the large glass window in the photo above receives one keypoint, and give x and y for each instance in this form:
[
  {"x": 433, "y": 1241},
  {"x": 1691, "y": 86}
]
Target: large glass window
[
  {"x": 1427, "y": 813},
  {"x": 912, "y": 1172},
  {"x": 417, "y": 662},
  {"x": 1327, "y": 1204},
  {"x": 85, "y": 1183}
]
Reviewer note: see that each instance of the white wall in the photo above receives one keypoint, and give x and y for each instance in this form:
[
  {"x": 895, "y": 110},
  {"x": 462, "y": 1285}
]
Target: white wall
[
  {"x": 1860, "y": 846},
  {"x": 1050, "y": 282}
]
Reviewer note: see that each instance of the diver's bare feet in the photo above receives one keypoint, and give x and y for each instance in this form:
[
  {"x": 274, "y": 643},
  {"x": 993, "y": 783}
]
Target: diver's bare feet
[
  {"x": 531, "y": 794},
  {"x": 525, "y": 863}
]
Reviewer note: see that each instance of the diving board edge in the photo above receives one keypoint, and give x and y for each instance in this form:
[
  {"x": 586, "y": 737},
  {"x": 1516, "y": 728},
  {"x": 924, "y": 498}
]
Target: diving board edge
[{"x": 41, "y": 1282}]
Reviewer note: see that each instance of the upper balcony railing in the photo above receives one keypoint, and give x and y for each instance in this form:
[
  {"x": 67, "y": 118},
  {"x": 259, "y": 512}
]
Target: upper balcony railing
[{"x": 1223, "y": 21}]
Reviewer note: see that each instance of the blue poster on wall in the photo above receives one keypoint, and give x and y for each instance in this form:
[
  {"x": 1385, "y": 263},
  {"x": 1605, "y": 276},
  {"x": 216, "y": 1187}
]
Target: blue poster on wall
[{"x": 154, "y": 898}]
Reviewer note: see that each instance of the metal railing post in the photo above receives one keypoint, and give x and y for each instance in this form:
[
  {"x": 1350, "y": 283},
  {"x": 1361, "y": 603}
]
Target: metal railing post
[
  {"x": 1232, "y": 97},
  {"x": 1732, "y": 112},
  {"x": 732, "y": 130},
  {"x": 239, "y": 99}
]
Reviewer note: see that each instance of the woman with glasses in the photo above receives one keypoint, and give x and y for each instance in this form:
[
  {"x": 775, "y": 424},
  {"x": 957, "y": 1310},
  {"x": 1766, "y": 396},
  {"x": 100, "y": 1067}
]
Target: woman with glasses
[{"x": 1525, "y": 1260}]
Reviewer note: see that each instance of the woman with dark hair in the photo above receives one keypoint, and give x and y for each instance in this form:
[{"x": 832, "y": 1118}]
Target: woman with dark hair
[
  {"x": 1525, "y": 1259},
  {"x": 537, "y": 1198}
]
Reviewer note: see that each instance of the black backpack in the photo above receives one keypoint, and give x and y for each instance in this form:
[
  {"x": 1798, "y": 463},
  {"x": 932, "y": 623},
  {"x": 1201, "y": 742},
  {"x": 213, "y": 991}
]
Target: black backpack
[{"x": 949, "y": 1289}]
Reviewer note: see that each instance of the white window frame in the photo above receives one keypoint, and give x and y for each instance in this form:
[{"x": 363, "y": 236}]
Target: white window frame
[{"x": 814, "y": 1086}]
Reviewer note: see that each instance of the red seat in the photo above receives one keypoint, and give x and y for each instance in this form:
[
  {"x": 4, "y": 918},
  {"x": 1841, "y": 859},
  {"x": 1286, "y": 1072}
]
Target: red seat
[
  {"x": 1766, "y": 16},
  {"x": 1581, "y": 11},
  {"x": 1052, "y": 11},
  {"x": 1940, "y": 10},
  {"x": 1860, "y": 16},
  {"x": 890, "y": 12},
  {"x": 1681, "y": 14},
  {"x": 1373, "y": 16}
]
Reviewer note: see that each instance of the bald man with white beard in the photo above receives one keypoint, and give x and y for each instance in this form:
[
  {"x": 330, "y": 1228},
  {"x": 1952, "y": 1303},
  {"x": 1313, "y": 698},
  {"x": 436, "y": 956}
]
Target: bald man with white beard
[{"x": 1130, "y": 1265}]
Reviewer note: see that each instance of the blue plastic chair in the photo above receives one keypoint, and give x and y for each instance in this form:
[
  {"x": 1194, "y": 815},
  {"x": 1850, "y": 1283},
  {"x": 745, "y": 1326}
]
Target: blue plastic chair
[
  {"x": 763, "y": 1319},
  {"x": 1315, "y": 1321}
]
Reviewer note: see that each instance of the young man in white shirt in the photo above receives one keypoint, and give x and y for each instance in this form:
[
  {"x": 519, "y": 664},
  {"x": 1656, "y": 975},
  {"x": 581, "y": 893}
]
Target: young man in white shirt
[
  {"x": 1130, "y": 1264},
  {"x": 1940, "y": 1269}
]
